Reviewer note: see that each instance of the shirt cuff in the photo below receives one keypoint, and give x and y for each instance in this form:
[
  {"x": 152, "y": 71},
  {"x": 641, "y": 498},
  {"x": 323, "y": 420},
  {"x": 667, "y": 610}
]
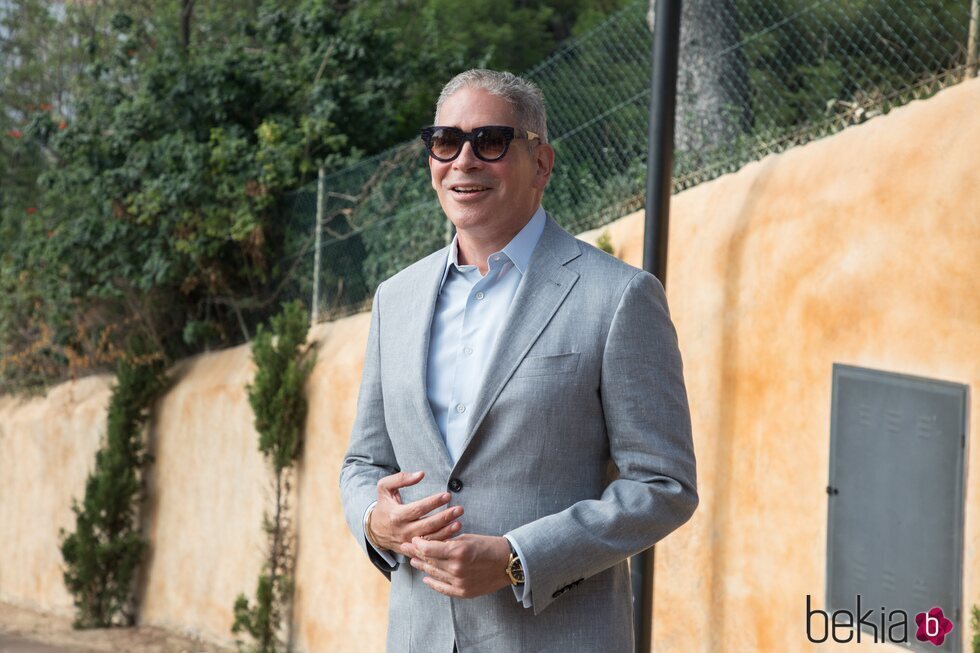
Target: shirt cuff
[
  {"x": 522, "y": 592},
  {"x": 385, "y": 554}
]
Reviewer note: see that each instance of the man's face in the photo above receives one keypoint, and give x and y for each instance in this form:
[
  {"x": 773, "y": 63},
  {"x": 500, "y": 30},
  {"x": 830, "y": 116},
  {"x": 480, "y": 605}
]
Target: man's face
[{"x": 502, "y": 195}]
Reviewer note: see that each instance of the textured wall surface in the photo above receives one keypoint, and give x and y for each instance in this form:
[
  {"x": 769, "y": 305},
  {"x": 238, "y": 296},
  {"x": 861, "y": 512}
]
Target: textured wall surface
[
  {"x": 208, "y": 488},
  {"x": 862, "y": 248},
  {"x": 47, "y": 448}
]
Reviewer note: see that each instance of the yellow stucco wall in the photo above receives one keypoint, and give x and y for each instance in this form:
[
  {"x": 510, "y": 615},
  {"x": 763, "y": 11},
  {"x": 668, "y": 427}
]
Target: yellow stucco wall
[
  {"x": 863, "y": 248},
  {"x": 207, "y": 491},
  {"x": 47, "y": 447}
]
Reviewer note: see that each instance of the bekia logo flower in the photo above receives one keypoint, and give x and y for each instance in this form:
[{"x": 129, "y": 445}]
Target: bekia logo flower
[{"x": 933, "y": 626}]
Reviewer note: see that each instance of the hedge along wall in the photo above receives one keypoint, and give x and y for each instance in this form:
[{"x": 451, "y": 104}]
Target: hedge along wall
[{"x": 863, "y": 248}]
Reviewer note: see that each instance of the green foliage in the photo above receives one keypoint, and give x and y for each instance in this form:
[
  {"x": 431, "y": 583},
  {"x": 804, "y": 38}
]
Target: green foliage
[
  {"x": 871, "y": 48},
  {"x": 148, "y": 184},
  {"x": 604, "y": 243},
  {"x": 432, "y": 40},
  {"x": 102, "y": 556},
  {"x": 191, "y": 155},
  {"x": 160, "y": 203},
  {"x": 411, "y": 225},
  {"x": 277, "y": 396},
  {"x": 33, "y": 66},
  {"x": 258, "y": 620},
  {"x": 975, "y": 629}
]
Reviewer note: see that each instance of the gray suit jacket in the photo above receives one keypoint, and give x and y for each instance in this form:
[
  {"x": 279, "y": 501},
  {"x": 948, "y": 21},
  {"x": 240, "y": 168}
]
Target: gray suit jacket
[{"x": 579, "y": 447}]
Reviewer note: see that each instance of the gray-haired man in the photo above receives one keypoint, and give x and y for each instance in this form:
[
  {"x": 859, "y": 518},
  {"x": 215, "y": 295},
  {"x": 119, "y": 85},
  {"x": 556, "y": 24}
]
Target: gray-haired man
[{"x": 522, "y": 426}]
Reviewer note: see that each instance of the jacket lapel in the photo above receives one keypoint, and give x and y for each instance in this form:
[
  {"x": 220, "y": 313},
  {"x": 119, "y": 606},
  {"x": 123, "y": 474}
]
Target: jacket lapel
[
  {"x": 425, "y": 291},
  {"x": 542, "y": 290}
]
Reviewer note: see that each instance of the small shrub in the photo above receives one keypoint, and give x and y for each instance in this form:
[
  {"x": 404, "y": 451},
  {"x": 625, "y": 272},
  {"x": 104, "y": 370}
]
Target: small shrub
[
  {"x": 102, "y": 556},
  {"x": 278, "y": 399}
]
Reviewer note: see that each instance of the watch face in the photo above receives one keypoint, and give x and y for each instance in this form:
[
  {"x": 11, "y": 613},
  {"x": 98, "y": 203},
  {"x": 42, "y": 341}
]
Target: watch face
[{"x": 516, "y": 570}]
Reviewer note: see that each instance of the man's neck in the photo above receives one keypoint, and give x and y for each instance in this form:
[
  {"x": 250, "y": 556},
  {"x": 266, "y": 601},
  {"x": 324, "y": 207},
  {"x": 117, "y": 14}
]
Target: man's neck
[
  {"x": 477, "y": 253},
  {"x": 472, "y": 249}
]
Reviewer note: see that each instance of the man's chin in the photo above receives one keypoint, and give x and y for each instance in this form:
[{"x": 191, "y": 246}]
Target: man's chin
[{"x": 468, "y": 217}]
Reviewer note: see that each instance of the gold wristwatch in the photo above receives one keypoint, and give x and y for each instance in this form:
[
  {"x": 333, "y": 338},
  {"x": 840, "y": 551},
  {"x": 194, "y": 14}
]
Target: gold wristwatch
[{"x": 515, "y": 570}]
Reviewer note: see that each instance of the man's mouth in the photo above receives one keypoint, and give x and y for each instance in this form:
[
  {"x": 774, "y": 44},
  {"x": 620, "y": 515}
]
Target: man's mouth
[{"x": 467, "y": 189}]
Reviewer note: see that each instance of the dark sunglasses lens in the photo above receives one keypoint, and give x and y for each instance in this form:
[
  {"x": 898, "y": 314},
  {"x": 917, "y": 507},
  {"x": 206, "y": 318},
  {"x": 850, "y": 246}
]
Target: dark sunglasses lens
[
  {"x": 491, "y": 142},
  {"x": 445, "y": 143}
]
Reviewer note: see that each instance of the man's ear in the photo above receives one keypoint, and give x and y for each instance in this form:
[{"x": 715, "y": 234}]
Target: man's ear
[{"x": 545, "y": 162}]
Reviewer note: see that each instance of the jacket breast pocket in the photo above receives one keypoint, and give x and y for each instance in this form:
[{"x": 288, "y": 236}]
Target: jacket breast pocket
[{"x": 547, "y": 365}]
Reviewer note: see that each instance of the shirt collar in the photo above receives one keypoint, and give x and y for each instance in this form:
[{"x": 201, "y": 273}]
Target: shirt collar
[{"x": 518, "y": 250}]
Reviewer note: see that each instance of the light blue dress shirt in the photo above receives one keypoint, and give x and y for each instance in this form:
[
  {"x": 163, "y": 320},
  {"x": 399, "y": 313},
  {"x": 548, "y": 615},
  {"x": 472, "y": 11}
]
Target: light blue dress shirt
[{"x": 469, "y": 313}]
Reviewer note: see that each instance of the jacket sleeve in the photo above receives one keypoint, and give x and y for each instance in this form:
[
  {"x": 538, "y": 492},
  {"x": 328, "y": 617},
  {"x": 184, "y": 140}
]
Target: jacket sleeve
[
  {"x": 649, "y": 430},
  {"x": 369, "y": 455}
]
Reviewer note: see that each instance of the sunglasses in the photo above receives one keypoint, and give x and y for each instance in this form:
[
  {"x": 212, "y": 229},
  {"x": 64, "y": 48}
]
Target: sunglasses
[{"x": 489, "y": 143}]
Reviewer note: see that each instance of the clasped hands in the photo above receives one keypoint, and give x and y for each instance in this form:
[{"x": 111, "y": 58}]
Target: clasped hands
[{"x": 464, "y": 566}]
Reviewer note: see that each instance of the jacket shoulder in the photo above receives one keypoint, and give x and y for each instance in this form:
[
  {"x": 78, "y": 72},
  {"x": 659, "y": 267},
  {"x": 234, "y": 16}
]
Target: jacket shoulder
[
  {"x": 418, "y": 272},
  {"x": 600, "y": 267}
]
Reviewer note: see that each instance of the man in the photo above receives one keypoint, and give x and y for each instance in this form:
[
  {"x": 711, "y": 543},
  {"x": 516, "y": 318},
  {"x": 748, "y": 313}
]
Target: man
[{"x": 522, "y": 425}]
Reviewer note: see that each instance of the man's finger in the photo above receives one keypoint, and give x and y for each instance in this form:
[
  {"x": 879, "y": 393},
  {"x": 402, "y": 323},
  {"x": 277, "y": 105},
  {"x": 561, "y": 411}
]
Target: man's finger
[
  {"x": 431, "y": 549},
  {"x": 419, "y": 509},
  {"x": 442, "y": 588},
  {"x": 439, "y": 526},
  {"x": 433, "y": 571},
  {"x": 435, "y": 521},
  {"x": 408, "y": 549},
  {"x": 393, "y": 482}
]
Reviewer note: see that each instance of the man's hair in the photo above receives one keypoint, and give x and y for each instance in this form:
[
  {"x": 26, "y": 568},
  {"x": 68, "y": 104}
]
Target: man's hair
[{"x": 526, "y": 98}]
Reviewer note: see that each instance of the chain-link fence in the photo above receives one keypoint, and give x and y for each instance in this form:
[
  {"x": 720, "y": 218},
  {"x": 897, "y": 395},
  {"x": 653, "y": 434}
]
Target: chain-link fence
[{"x": 755, "y": 77}]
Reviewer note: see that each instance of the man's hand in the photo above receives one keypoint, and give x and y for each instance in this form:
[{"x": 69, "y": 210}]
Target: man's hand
[
  {"x": 393, "y": 524},
  {"x": 464, "y": 567}
]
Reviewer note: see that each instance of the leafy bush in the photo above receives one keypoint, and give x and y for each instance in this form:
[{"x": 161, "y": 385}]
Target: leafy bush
[
  {"x": 278, "y": 399},
  {"x": 103, "y": 555}
]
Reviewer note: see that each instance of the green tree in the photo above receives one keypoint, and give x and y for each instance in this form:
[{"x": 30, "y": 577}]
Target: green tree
[
  {"x": 162, "y": 204},
  {"x": 283, "y": 364},
  {"x": 155, "y": 194},
  {"x": 103, "y": 554}
]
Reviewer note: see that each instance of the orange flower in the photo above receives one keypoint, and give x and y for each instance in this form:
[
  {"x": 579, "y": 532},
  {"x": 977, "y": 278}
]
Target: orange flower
[
  {"x": 45, "y": 107},
  {"x": 31, "y": 210},
  {"x": 62, "y": 125},
  {"x": 15, "y": 133}
]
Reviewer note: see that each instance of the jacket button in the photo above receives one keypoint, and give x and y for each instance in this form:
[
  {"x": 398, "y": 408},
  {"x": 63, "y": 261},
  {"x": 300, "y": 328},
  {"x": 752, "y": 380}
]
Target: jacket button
[{"x": 455, "y": 485}]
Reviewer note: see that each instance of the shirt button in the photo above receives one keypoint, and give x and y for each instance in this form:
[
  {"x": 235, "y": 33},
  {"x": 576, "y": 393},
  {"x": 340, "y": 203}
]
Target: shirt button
[
  {"x": 496, "y": 258},
  {"x": 455, "y": 485},
  {"x": 480, "y": 295},
  {"x": 460, "y": 408},
  {"x": 467, "y": 350}
]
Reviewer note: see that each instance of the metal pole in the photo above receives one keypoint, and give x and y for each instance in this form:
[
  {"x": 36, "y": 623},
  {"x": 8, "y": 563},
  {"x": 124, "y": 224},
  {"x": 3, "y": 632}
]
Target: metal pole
[
  {"x": 660, "y": 164},
  {"x": 318, "y": 237},
  {"x": 660, "y": 152},
  {"x": 971, "y": 44}
]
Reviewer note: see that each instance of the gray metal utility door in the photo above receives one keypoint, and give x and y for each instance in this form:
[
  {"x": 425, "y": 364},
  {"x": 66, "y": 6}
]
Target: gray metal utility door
[{"x": 895, "y": 509}]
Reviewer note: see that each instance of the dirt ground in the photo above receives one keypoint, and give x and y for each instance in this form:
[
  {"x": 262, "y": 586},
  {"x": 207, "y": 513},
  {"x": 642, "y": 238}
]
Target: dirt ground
[{"x": 54, "y": 634}]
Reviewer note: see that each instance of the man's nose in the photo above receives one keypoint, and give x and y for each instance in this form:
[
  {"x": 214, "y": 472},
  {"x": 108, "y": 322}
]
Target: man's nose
[{"x": 467, "y": 158}]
